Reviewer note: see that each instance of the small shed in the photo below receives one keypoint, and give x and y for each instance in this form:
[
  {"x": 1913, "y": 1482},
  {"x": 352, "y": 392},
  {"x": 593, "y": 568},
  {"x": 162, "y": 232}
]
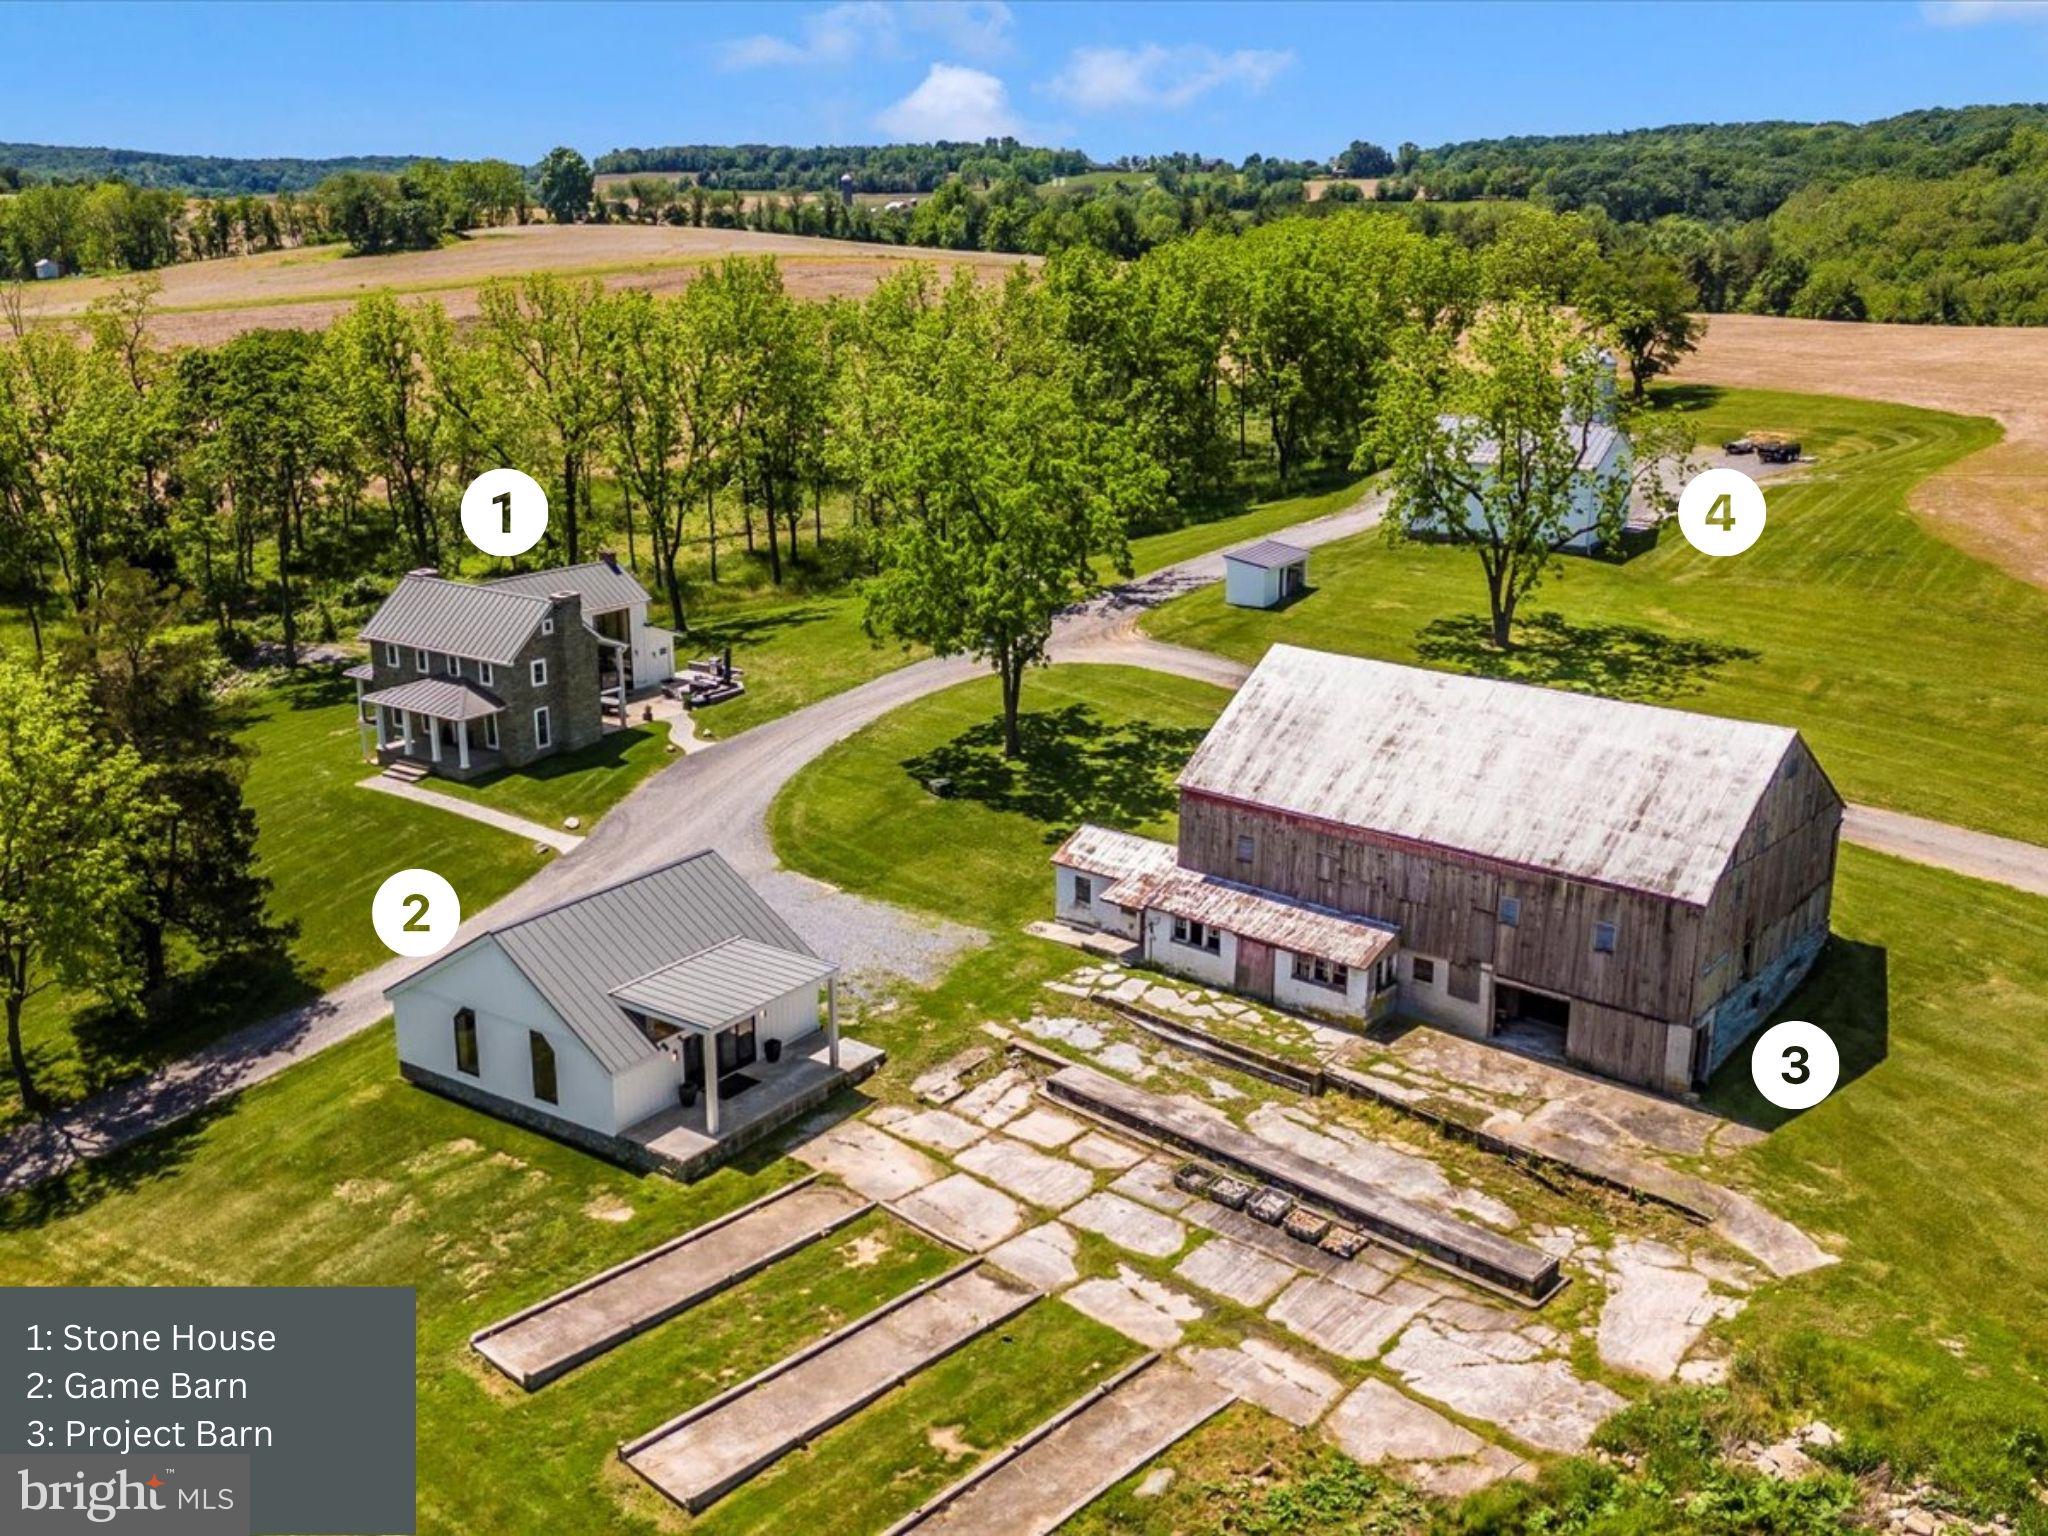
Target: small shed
[
  {"x": 1267, "y": 574},
  {"x": 47, "y": 268}
]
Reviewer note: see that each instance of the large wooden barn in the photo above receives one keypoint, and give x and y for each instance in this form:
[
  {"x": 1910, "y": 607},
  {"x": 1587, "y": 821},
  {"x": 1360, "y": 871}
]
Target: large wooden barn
[{"x": 1632, "y": 887}]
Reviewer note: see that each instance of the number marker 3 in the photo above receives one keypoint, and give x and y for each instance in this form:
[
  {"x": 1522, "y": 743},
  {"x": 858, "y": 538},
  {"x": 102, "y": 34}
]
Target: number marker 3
[
  {"x": 1795, "y": 1064},
  {"x": 416, "y": 912}
]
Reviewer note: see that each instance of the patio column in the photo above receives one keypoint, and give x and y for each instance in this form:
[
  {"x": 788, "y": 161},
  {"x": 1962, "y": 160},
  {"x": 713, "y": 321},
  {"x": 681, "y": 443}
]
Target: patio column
[
  {"x": 382, "y": 728},
  {"x": 711, "y": 1082},
  {"x": 832, "y": 1022},
  {"x": 405, "y": 730},
  {"x": 462, "y": 744},
  {"x": 434, "y": 738}
]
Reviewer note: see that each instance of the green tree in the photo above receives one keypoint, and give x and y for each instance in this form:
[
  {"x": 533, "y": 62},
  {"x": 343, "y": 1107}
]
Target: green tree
[
  {"x": 73, "y": 809},
  {"x": 377, "y": 372},
  {"x": 1646, "y": 304},
  {"x": 1005, "y": 486},
  {"x": 565, "y": 184}
]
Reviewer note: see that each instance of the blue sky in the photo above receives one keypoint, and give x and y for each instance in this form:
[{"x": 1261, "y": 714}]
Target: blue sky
[{"x": 1298, "y": 80}]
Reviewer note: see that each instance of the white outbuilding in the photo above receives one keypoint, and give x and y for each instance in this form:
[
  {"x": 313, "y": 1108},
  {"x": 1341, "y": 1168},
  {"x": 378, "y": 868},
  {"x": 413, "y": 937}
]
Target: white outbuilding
[
  {"x": 47, "y": 268},
  {"x": 1268, "y": 574}
]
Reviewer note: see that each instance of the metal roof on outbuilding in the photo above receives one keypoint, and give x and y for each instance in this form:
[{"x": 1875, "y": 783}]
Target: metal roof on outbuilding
[
  {"x": 1600, "y": 440},
  {"x": 457, "y": 618},
  {"x": 1267, "y": 554},
  {"x": 728, "y": 981},
  {"x": 602, "y": 587},
  {"x": 444, "y": 698},
  {"x": 1629, "y": 795},
  {"x": 1112, "y": 854},
  {"x": 576, "y": 953},
  {"x": 1298, "y": 927}
]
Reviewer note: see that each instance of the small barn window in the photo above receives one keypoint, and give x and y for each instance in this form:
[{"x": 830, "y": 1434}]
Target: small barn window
[
  {"x": 543, "y": 1067},
  {"x": 1245, "y": 848},
  {"x": 1603, "y": 938},
  {"x": 1511, "y": 911},
  {"x": 1422, "y": 972},
  {"x": 1197, "y": 935},
  {"x": 540, "y": 672},
  {"x": 1321, "y": 972},
  {"x": 1326, "y": 867},
  {"x": 1084, "y": 890},
  {"x": 465, "y": 1041}
]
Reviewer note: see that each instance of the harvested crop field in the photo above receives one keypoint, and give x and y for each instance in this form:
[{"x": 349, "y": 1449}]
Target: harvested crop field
[
  {"x": 208, "y": 301},
  {"x": 1993, "y": 503}
]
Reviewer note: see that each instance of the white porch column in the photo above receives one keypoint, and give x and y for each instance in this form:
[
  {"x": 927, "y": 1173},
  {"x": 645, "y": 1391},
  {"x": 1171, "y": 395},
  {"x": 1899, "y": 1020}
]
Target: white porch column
[
  {"x": 405, "y": 730},
  {"x": 711, "y": 1082},
  {"x": 433, "y": 738},
  {"x": 832, "y": 1022},
  {"x": 383, "y": 730},
  {"x": 462, "y": 744}
]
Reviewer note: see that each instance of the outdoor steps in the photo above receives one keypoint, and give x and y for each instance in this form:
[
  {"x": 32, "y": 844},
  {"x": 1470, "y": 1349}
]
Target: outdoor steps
[
  {"x": 1035, "y": 1485},
  {"x": 405, "y": 770},
  {"x": 1460, "y": 1246},
  {"x": 552, "y": 1337},
  {"x": 701, "y": 1455}
]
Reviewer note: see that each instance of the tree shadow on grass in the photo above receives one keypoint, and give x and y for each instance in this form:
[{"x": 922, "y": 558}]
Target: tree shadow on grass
[
  {"x": 1074, "y": 767},
  {"x": 740, "y": 630},
  {"x": 1848, "y": 994},
  {"x": 1622, "y": 661}
]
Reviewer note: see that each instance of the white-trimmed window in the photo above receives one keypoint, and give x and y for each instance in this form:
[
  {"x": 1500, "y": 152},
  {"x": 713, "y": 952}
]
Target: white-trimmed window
[
  {"x": 491, "y": 732},
  {"x": 454, "y": 665},
  {"x": 547, "y": 625},
  {"x": 543, "y": 728},
  {"x": 393, "y": 656},
  {"x": 539, "y": 672},
  {"x": 1322, "y": 973},
  {"x": 1197, "y": 935},
  {"x": 1604, "y": 935},
  {"x": 421, "y": 661},
  {"x": 1084, "y": 890},
  {"x": 484, "y": 674}
]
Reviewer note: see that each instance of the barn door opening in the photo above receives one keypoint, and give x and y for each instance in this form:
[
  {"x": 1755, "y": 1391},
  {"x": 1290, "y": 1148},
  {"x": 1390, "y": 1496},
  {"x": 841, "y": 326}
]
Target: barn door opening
[
  {"x": 1255, "y": 969},
  {"x": 1532, "y": 1022}
]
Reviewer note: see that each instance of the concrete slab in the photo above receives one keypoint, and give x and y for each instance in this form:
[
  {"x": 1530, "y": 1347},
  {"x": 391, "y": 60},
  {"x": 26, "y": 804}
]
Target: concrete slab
[
  {"x": 1046, "y": 1128},
  {"x": 1378, "y": 1423},
  {"x": 964, "y": 1211},
  {"x": 1655, "y": 1310},
  {"x": 1044, "y": 1256},
  {"x": 1051, "y": 1474},
  {"x": 705, "y": 1453},
  {"x": 943, "y": 1083},
  {"x": 1103, "y": 1152},
  {"x": 879, "y": 1166},
  {"x": 1078, "y": 1033},
  {"x": 1152, "y": 1182},
  {"x": 1235, "y": 1272},
  {"x": 542, "y": 1342},
  {"x": 1337, "y": 1319},
  {"x": 1136, "y": 1307},
  {"x": 1456, "y": 1479},
  {"x": 1284, "y": 1385},
  {"x": 1130, "y": 1226},
  {"x": 1491, "y": 1377},
  {"x": 1052, "y": 1182},
  {"x": 939, "y": 1129},
  {"x": 998, "y": 1101},
  {"x": 1407, "y": 1174}
]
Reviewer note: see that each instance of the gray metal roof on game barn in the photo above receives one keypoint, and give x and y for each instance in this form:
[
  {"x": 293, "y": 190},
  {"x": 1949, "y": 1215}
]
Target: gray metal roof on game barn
[
  {"x": 445, "y": 698},
  {"x": 457, "y": 618},
  {"x": 576, "y": 953},
  {"x": 725, "y": 982},
  {"x": 1630, "y": 795},
  {"x": 1267, "y": 554},
  {"x": 602, "y": 587}
]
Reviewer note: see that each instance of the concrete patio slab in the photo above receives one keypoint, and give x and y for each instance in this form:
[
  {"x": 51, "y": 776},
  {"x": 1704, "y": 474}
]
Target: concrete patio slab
[
  {"x": 1130, "y": 1226},
  {"x": 1657, "y": 1306},
  {"x": 1044, "y": 1256},
  {"x": 1052, "y": 1182},
  {"x": 1378, "y": 1423},
  {"x": 1284, "y": 1385},
  {"x": 1152, "y": 1182},
  {"x": 1036, "y": 1485},
  {"x": 1236, "y": 1273},
  {"x": 542, "y": 1342},
  {"x": 708, "y": 1451},
  {"x": 1046, "y": 1128},
  {"x": 1488, "y": 1377},
  {"x": 944, "y": 1083},
  {"x": 998, "y": 1101},
  {"x": 938, "y": 1129},
  {"x": 1338, "y": 1319},
  {"x": 963, "y": 1211},
  {"x": 1103, "y": 1152},
  {"x": 879, "y": 1166},
  {"x": 1136, "y": 1307}
]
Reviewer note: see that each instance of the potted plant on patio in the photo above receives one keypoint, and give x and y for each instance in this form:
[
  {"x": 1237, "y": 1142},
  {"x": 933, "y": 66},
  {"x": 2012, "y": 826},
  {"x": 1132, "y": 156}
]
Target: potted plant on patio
[{"x": 772, "y": 1049}]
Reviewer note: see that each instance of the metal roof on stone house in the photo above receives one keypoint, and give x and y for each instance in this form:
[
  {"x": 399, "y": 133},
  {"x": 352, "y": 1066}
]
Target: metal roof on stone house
[
  {"x": 726, "y": 982},
  {"x": 456, "y": 618},
  {"x": 1629, "y": 795},
  {"x": 1112, "y": 854},
  {"x": 577, "y": 953},
  {"x": 444, "y": 698},
  {"x": 1267, "y": 554},
  {"x": 602, "y": 586}
]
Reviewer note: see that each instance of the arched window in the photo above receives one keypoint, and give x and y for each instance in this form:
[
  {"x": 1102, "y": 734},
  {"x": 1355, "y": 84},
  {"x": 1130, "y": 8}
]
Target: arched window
[{"x": 465, "y": 1041}]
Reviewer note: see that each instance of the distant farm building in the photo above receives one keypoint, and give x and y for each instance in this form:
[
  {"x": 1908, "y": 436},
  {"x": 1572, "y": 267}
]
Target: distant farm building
[
  {"x": 1632, "y": 888},
  {"x": 1268, "y": 574},
  {"x": 46, "y": 268}
]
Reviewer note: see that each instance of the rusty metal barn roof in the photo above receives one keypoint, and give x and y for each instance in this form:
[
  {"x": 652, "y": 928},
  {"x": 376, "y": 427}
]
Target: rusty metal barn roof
[
  {"x": 457, "y": 618},
  {"x": 1627, "y": 794},
  {"x": 1267, "y": 554},
  {"x": 602, "y": 588},
  {"x": 1295, "y": 926},
  {"x": 1112, "y": 854}
]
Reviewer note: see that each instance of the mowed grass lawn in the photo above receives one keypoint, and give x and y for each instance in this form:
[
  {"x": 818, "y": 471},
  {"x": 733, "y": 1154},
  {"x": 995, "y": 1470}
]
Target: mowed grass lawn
[
  {"x": 582, "y": 784},
  {"x": 1927, "y": 1168},
  {"x": 325, "y": 846},
  {"x": 1913, "y": 669}
]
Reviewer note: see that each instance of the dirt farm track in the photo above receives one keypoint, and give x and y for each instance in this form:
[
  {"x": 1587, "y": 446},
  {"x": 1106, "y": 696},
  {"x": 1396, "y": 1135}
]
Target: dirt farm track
[
  {"x": 208, "y": 301},
  {"x": 1993, "y": 504}
]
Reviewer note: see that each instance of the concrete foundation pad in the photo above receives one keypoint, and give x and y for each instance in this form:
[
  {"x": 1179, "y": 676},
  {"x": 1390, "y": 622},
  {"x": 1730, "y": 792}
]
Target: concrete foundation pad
[
  {"x": 964, "y": 1211},
  {"x": 998, "y": 1101},
  {"x": 1053, "y": 1473},
  {"x": 879, "y": 1166},
  {"x": 1455, "y": 1479},
  {"x": 1044, "y": 1256},
  {"x": 535, "y": 1346},
  {"x": 1046, "y": 1128},
  {"x": 942, "y": 1084},
  {"x": 1377, "y": 1423},
  {"x": 1236, "y": 1273},
  {"x": 1338, "y": 1319},
  {"x": 710, "y": 1450},
  {"x": 938, "y": 1129},
  {"x": 1152, "y": 1182},
  {"x": 1654, "y": 1312},
  {"x": 1284, "y": 1385},
  {"x": 1135, "y": 1307},
  {"x": 1051, "y": 1182},
  {"x": 1103, "y": 1152},
  {"x": 1488, "y": 1377},
  {"x": 1130, "y": 1226}
]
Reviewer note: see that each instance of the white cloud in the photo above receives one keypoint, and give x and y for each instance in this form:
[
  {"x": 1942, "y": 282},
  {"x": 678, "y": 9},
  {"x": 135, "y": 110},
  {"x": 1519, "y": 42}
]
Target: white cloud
[
  {"x": 857, "y": 29},
  {"x": 951, "y": 102},
  {"x": 1968, "y": 13},
  {"x": 1154, "y": 78}
]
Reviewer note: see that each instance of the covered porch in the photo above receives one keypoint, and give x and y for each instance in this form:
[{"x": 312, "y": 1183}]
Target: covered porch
[{"x": 447, "y": 723}]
